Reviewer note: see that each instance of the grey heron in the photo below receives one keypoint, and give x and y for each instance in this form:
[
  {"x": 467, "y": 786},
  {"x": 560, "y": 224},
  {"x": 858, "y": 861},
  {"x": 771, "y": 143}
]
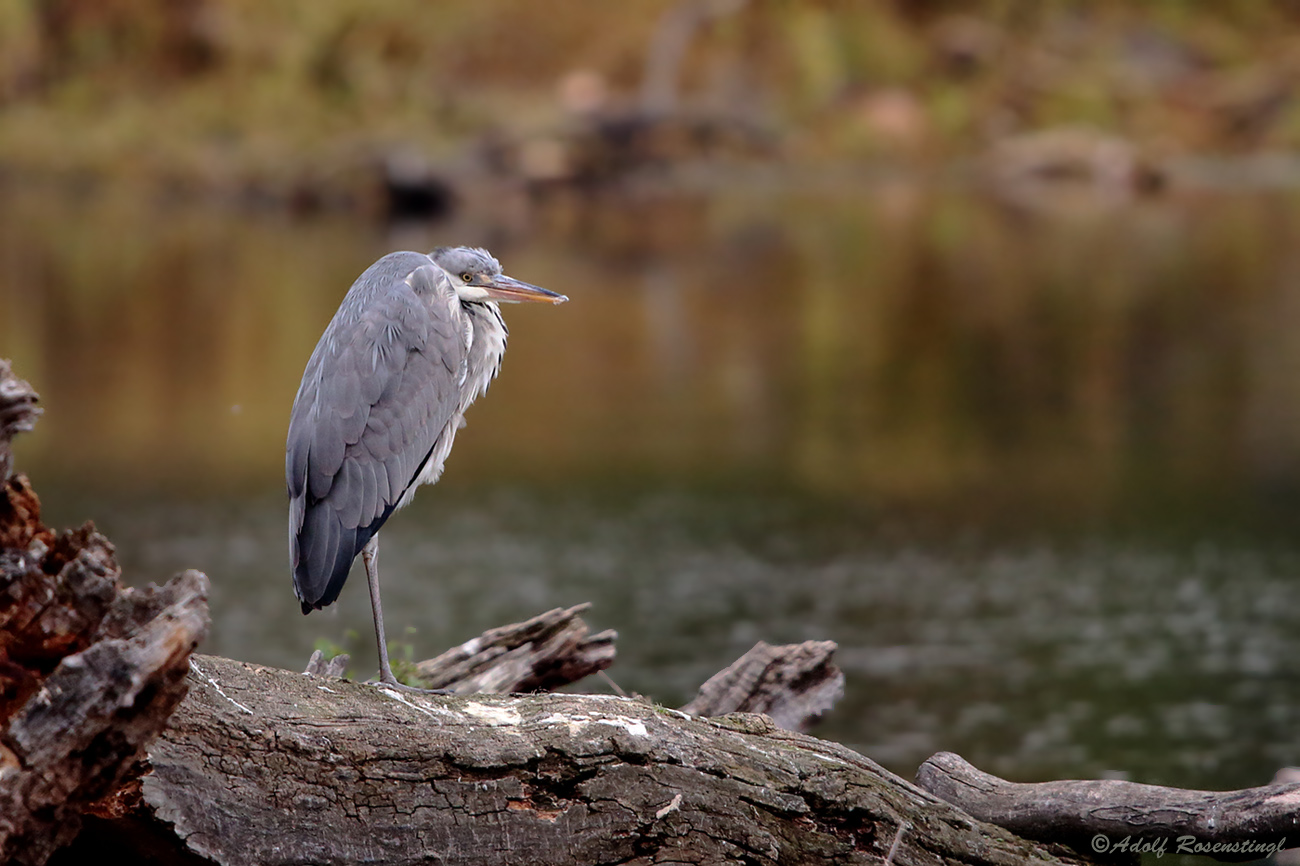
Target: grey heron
[{"x": 416, "y": 339}]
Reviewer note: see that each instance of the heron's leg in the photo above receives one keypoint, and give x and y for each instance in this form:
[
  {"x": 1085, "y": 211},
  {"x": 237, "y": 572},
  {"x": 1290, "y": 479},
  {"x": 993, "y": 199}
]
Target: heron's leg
[{"x": 370, "y": 559}]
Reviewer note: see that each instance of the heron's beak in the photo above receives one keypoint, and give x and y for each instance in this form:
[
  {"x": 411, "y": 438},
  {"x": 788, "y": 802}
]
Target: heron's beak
[{"x": 510, "y": 290}]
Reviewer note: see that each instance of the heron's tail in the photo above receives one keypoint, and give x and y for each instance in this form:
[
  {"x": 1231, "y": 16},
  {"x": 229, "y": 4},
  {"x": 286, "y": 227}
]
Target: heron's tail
[{"x": 322, "y": 550}]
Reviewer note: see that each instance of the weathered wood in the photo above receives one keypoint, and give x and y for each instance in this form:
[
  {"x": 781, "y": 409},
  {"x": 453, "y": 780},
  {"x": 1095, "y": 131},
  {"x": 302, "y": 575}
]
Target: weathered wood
[
  {"x": 89, "y": 673},
  {"x": 794, "y": 684},
  {"x": 546, "y": 652},
  {"x": 18, "y": 411},
  {"x": 334, "y": 668},
  {"x": 270, "y": 767},
  {"x": 1099, "y": 815}
]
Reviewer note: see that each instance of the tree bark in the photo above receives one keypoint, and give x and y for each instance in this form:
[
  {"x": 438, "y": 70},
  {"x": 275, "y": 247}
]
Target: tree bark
[
  {"x": 1100, "y": 815},
  {"x": 270, "y": 767},
  {"x": 89, "y": 673}
]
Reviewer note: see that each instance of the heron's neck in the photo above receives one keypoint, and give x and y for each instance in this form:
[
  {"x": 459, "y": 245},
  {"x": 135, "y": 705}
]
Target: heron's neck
[{"x": 487, "y": 345}]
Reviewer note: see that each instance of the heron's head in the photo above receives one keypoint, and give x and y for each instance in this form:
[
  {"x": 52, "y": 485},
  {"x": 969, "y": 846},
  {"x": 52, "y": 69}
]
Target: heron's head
[{"x": 477, "y": 277}]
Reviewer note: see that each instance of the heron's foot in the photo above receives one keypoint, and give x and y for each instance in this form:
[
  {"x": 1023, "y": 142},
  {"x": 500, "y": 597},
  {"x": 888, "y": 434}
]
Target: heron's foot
[{"x": 393, "y": 683}]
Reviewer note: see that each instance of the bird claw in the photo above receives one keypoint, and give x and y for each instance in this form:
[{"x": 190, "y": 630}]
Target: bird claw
[{"x": 403, "y": 687}]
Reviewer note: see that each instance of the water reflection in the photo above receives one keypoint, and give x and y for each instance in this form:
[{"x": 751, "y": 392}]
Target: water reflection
[
  {"x": 917, "y": 350},
  {"x": 915, "y": 425}
]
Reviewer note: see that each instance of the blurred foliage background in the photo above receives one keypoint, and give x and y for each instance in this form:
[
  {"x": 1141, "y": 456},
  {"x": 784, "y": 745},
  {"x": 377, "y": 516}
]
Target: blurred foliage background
[{"x": 269, "y": 95}]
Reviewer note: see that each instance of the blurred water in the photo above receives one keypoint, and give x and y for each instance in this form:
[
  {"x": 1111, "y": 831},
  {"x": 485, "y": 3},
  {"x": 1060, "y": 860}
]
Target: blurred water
[{"x": 1036, "y": 474}]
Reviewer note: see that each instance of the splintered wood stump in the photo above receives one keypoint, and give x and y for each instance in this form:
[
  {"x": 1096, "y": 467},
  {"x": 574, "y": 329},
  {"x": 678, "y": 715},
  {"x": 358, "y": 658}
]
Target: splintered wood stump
[
  {"x": 89, "y": 673},
  {"x": 546, "y": 652},
  {"x": 1096, "y": 814},
  {"x": 795, "y": 684},
  {"x": 18, "y": 413},
  {"x": 262, "y": 766}
]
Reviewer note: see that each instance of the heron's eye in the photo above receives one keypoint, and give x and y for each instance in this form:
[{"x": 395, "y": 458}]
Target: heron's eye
[{"x": 467, "y": 277}]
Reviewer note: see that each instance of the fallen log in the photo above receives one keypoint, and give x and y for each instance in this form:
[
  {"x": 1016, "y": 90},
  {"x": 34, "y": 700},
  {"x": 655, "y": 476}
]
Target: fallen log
[
  {"x": 266, "y": 766},
  {"x": 1108, "y": 816}
]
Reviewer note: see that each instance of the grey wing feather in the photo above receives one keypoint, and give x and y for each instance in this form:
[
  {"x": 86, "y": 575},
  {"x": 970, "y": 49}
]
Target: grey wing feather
[{"x": 374, "y": 398}]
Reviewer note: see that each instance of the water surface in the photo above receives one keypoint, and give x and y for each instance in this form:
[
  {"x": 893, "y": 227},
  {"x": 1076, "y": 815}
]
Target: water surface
[{"x": 1035, "y": 473}]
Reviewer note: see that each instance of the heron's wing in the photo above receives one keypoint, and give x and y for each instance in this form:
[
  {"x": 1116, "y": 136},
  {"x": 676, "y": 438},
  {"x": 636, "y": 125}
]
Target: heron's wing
[{"x": 382, "y": 384}]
